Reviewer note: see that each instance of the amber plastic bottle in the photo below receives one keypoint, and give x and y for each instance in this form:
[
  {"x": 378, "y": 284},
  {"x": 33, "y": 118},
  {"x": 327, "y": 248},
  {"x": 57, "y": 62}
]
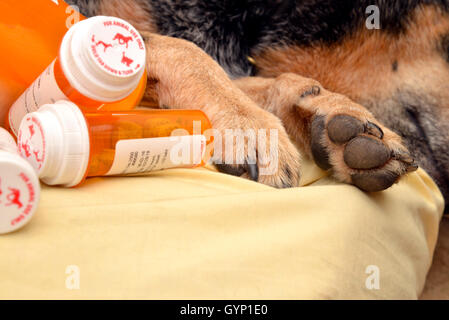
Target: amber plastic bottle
[
  {"x": 101, "y": 60},
  {"x": 66, "y": 145},
  {"x": 33, "y": 31}
]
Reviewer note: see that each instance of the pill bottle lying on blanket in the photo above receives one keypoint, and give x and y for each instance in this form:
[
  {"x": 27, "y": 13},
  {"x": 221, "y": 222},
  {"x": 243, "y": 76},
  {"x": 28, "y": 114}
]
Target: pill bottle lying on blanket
[
  {"x": 66, "y": 145},
  {"x": 101, "y": 60},
  {"x": 19, "y": 186}
]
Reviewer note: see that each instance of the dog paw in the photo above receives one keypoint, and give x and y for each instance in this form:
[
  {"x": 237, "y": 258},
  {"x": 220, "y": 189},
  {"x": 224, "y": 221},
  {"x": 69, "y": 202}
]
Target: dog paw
[
  {"x": 256, "y": 147},
  {"x": 359, "y": 151},
  {"x": 338, "y": 133}
]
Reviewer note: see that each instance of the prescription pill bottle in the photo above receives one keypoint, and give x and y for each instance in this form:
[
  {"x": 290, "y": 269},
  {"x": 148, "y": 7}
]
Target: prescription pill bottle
[
  {"x": 19, "y": 186},
  {"x": 31, "y": 32},
  {"x": 65, "y": 145},
  {"x": 101, "y": 60}
]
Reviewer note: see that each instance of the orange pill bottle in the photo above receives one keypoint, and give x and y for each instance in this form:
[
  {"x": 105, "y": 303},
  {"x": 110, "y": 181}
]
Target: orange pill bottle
[
  {"x": 101, "y": 60},
  {"x": 65, "y": 145}
]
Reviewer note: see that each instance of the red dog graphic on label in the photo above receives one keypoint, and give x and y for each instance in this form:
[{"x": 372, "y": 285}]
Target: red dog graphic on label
[
  {"x": 122, "y": 39},
  {"x": 32, "y": 132},
  {"x": 38, "y": 160},
  {"x": 25, "y": 147},
  {"x": 104, "y": 44},
  {"x": 14, "y": 198},
  {"x": 126, "y": 60}
]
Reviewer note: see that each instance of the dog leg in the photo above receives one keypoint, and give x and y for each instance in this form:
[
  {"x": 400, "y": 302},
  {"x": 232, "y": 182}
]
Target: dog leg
[
  {"x": 333, "y": 130},
  {"x": 183, "y": 76}
]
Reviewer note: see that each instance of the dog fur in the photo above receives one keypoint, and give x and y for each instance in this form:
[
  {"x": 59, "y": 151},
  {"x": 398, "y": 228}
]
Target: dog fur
[{"x": 273, "y": 49}]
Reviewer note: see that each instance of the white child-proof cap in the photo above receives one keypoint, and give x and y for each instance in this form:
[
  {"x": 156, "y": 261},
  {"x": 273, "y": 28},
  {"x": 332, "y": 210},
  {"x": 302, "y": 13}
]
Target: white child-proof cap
[
  {"x": 103, "y": 58},
  {"x": 19, "y": 186},
  {"x": 55, "y": 141}
]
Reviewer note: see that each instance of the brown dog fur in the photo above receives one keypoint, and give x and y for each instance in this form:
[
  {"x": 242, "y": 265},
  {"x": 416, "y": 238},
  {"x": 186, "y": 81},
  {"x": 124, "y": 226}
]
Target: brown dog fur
[
  {"x": 345, "y": 68},
  {"x": 199, "y": 81},
  {"x": 183, "y": 76},
  {"x": 282, "y": 96}
]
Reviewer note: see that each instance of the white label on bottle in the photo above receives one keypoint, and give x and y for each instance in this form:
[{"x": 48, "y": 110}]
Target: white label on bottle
[
  {"x": 151, "y": 154},
  {"x": 43, "y": 90}
]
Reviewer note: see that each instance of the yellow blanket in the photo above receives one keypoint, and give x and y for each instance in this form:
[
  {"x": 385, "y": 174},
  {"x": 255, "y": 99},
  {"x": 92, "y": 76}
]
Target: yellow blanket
[{"x": 201, "y": 234}]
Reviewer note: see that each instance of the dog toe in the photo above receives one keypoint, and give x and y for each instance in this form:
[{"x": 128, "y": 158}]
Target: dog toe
[
  {"x": 343, "y": 128},
  {"x": 319, "y": 151},
  {"x": 365, "y": 152},
  {"x": 374, "y": 181}
]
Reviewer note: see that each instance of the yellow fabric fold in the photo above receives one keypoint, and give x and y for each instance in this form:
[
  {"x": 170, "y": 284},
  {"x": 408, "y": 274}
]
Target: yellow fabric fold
[{"x": 199, "y": 234}]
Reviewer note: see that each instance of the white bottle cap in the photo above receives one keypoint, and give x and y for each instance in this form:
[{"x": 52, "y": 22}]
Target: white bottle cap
[
  {"x": 7, "y": 142},
  {"x": 103, "y": 58},
  {"x": 19, "y": 186},
  {"x": 55, "y": 141}
]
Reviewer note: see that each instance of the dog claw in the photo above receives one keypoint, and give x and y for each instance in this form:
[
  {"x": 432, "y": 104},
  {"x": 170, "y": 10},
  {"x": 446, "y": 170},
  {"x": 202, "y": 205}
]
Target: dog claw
[
  {"x": 374, "y": 130},
  {"x": 253, "y": 171},
  {"x": 406, "y": 159},
  {"x": 314, "y": 91},
  {"x": 412, "y": 168},
  {"x": 251, "y": 168},
  {"x": 403, "y": 157}
]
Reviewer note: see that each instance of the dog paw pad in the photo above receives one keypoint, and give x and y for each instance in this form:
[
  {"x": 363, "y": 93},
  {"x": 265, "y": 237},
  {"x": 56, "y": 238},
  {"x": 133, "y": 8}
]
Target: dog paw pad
[
  {"x": 319, "y": 151},
  {"x": 374, "y": 181},
  {"x": 359, "y": 152},
  {"x": 364, "y": 152},
  {"x": 343, "y": 128}
]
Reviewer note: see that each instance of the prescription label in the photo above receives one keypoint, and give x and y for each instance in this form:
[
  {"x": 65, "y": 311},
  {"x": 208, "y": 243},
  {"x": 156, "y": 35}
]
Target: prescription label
[
  {"x": 43, "y": 90},
  {"x": 151, "y": 154}
]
